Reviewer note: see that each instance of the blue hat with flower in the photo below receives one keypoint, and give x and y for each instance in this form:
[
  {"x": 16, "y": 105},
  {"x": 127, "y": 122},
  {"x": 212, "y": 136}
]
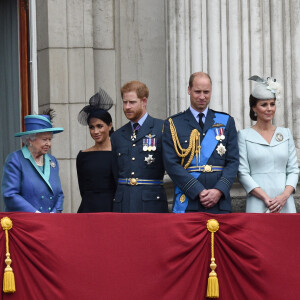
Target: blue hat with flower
[
  {"x": 266, "y": 88},
  {"x": 37, "y": 124}
]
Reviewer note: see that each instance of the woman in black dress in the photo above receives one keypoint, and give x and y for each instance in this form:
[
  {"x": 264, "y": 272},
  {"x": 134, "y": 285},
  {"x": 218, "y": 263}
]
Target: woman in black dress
[{"x": 94, "y": 165}]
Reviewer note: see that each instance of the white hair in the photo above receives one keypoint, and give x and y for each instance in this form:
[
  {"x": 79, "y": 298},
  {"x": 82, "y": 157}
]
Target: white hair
[{"x": 27, "y": 138}]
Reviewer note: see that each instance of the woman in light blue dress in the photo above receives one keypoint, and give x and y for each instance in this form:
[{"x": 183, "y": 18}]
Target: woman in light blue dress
[{"x": 268, "y": 167}]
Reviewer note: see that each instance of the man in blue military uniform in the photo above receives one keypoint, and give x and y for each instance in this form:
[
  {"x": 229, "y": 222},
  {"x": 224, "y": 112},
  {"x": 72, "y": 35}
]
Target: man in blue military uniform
[
  {"x": 200, "y": 152},
  {"x": 137, "y": 155}
]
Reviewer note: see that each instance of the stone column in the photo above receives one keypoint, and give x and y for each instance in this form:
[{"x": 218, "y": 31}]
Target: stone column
[
  {"x": 232, "y": 40},
  {"x": 66, "y": 80}
]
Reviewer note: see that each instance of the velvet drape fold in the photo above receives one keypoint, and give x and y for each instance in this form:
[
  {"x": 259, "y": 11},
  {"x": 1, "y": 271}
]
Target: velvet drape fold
[{"x": 152, "y": 256}]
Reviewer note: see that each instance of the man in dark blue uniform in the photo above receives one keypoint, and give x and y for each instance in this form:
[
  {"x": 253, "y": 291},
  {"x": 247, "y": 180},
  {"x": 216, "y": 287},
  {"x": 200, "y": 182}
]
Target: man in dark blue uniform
[
  {"x": 200, "y": 152},
  {"x": 137, "y": 155}
]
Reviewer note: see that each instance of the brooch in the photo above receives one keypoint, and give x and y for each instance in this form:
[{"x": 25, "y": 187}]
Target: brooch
[
  {"x": 150, "y": 159},
  {"x": 279, "y": 137},
  {"x": 221, "y": 149},
  {"x": 52, "y": 164}
]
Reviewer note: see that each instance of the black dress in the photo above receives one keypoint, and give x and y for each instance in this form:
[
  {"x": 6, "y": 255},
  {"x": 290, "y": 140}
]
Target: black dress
[{"x": 96, "y": 182}]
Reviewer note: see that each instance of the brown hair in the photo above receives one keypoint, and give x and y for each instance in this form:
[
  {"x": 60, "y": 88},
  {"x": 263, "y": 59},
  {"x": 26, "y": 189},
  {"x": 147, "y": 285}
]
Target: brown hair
[
  {"x": 198, "y": 74},
  {"x": 252, "y": 103},
  {"x": 135, "y": 86}
]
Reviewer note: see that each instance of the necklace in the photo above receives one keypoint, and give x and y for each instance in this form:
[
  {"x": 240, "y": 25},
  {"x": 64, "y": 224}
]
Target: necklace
[{"x": 39, "y": 161}]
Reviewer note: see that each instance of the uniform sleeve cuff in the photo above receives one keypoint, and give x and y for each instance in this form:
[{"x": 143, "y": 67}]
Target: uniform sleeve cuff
[{"x": 192, "y": 189}]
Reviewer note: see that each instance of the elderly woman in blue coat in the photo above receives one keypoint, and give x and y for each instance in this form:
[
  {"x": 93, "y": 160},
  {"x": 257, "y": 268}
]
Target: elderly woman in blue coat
[
  {"x": 30, "y": 181},
  {"x": 268, "y": 162}
]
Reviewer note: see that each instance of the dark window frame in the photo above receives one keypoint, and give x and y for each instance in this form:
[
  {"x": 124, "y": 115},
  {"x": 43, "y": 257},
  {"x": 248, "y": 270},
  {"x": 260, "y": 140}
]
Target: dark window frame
[{"x": 24, "y": 48}]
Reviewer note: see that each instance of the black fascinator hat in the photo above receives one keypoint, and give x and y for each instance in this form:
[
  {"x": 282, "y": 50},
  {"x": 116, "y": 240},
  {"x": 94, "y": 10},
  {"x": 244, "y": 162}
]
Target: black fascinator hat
[{"x": 98, "y": 107}]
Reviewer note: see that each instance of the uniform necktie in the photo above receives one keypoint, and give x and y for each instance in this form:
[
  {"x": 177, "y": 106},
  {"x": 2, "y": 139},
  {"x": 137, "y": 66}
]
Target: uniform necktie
[
  {"x": 200, "y": 120},
  {"x": 136, "y": 127}
]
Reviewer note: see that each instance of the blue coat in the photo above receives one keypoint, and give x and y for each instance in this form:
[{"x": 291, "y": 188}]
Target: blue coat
[
  {"x": 26, "y": 188},
  {"x": 269, "y": 166},
  {"x": 129, "y": 162},
  {"x": 185, "y": 122}
]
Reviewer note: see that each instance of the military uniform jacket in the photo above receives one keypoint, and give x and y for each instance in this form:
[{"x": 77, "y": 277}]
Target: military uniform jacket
[
  {"x": 129, "y": 162},
  {"x": 26, "y": 188},
  {"x": 185, "y": 122}
]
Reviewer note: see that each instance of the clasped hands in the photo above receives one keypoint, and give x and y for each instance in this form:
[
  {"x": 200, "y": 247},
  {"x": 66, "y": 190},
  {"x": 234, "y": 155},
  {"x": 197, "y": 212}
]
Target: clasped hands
[
  {"x": 276, "y": 204},
  {"x": 209, "y": 198}
]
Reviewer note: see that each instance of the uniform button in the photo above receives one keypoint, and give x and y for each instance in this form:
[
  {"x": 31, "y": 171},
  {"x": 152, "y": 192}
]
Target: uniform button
[
  {"x": 119, "y": 154},
  {"x": 132, "y": 173},
  {"x": 157, "y": 197},
  {"x": 133, "y": 158},
  {"x": 185, "y": 141},
  {"x": 203, "y": 133},
  {"x": 114, "y": 200},
  {"x": 133, "y": 145}
]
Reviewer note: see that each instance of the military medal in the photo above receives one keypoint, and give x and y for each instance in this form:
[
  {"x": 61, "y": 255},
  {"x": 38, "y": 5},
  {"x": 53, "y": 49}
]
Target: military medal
[
  {"x": 221, "y": 149},
  {"x": 279, "y": 137},
  {"x": 222, "y": 136},
  {"x": 217, "y": 134},
  {"x": 149, "y": 159},
  {"x": 149, "y": 143},
  {"x": 145, "y": 144},
  {"x": 154, "y": 144},
  {"x": 136, "y": 127},
  {"x": 133, "y": 136}
]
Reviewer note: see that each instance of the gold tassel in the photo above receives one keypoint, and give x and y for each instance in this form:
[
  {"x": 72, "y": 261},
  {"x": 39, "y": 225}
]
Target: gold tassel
[
  {"x": 9, "y": 285},
  {"x": 213, "y": 283}
]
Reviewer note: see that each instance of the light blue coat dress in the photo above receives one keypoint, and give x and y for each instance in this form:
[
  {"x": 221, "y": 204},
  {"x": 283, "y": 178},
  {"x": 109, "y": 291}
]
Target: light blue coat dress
[
  {"x": 269, "y": 166},
  {"x": 26, "y": 188}
]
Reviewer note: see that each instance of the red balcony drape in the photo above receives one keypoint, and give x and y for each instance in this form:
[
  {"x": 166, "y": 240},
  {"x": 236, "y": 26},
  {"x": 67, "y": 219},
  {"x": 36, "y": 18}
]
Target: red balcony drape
[{"x": 152, "y": 256}]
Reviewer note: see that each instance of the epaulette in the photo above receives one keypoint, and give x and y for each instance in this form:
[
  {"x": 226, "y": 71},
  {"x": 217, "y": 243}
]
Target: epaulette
[
  {"x": 220, "y": 112},
  {"x": 178, "y": 114}
]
